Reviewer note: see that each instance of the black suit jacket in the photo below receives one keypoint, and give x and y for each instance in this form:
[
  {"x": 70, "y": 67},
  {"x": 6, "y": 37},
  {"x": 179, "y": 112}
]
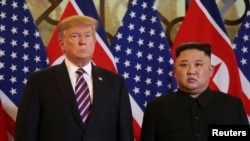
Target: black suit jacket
[
  {"x": 178, "y": 117},
  {"x": 48, "y": 110}
]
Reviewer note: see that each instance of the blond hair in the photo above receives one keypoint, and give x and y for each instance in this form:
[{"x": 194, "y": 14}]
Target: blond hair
[{"x": 74, "y": 21}]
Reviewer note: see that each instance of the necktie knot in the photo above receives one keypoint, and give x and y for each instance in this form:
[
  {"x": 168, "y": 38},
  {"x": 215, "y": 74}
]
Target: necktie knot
[{"x": 80, "y": 71}]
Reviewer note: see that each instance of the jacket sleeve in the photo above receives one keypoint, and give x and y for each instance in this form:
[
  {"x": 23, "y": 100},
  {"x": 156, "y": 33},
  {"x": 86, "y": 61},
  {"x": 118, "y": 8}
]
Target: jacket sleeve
[
  {"x": 147, "y": 130},
  {"x": 125, "y": 112},
  {"x": 242, "y": 114},
  {"x": 28, "y": 113}
]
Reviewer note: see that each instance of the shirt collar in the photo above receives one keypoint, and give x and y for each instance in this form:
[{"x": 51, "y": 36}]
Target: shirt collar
[
  {"x": 203, "y": 99},
  {"x": 72, "y": 68}
]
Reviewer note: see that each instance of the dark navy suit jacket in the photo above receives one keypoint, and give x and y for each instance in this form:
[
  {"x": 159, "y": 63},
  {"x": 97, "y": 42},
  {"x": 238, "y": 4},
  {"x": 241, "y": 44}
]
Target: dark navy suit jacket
[{"x": 48, "y": 110}]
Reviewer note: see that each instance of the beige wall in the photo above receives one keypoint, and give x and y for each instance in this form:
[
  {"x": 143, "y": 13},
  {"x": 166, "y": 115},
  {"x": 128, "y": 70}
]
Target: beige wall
[{"x": 112, "y": 12}]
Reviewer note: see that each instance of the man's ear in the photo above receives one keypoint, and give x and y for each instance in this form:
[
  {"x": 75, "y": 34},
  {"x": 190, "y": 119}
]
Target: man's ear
[
  {"x": 60, "y": 42},
  {"x": 211, "y": 69}
]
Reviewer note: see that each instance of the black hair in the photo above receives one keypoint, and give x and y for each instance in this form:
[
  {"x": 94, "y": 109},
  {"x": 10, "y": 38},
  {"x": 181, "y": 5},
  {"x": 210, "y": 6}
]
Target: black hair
[{"x": 205, "y": 47}]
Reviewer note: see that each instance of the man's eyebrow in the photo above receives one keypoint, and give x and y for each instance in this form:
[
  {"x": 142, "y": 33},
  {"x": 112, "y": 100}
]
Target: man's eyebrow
[{"x": 199, "y": 60}]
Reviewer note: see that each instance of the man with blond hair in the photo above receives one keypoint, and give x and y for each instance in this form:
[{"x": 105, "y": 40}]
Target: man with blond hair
[{"x": 75, "y": 100}]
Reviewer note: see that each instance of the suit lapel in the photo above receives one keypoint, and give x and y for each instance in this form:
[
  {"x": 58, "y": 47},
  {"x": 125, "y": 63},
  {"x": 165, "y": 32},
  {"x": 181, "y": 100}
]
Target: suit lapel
[
  {"x": 98, "y": 91},
  {"x": 63, "y": 80}
]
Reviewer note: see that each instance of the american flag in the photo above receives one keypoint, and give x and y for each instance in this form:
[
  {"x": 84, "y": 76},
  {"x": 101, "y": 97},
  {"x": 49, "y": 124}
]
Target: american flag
[
  {"x": 241, "y": 47},
  {"x": 143, "y": 57},
  {"x": 21, "y": 53}
]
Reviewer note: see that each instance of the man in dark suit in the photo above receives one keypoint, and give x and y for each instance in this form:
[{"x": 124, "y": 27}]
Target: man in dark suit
[
  {"x": 48, "y": 110},
  {"x": 184, "y": 115}
]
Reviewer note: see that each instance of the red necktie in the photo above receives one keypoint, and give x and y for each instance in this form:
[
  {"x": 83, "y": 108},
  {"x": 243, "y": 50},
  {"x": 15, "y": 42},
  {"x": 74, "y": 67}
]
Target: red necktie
[{"x": 82, "y": 95}]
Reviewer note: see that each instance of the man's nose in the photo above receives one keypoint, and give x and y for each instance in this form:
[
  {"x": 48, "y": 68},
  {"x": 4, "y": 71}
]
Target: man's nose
[{"x": 191, "y": 70}]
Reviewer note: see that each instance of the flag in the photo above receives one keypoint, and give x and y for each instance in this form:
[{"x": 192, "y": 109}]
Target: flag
[
  {"x": 21, "y": 53},
  {"x": 241, "y": 47},
  {"x": 102, "y": 55},
  {"x": 143, "y": 57},
  {"x": 3, "y": 128},
  {"x": 203, "y": 23}
]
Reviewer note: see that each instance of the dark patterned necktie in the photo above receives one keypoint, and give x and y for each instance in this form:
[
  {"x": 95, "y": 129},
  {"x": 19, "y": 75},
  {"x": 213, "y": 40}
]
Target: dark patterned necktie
[{"x": 82, "y": 95}]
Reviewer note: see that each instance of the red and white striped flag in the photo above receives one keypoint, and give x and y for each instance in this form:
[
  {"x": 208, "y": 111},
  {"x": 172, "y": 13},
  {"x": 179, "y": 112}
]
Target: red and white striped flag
[
  {"x": 102, "y": 56},
  {"x": 203, "y": 23},
  {"x": 3, "y": 128}
]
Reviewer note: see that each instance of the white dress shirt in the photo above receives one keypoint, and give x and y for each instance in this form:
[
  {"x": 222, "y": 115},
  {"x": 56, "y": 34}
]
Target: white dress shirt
[{"x": 87, "y": 76}]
